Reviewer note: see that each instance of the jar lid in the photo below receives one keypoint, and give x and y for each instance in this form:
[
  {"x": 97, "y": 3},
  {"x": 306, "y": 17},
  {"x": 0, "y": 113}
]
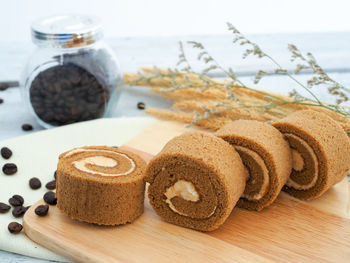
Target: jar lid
[{"x": 67, "y": 30}]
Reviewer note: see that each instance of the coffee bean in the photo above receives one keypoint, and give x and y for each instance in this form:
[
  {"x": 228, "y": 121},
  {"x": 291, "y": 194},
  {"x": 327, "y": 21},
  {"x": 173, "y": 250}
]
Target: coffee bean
[
  {"x": 15, "y": 227},
  {"x": 141, "y": 106},
  {"x": 50, "y": 198},
  {"x": 16, "y": 200},
  {"x": 18, "y": 211},
  {"x": 9, "y": 168},
  {"x": 27, "y": 127},
  {"x": 3, "y": 87},
  {"x": 34, "y": 183},
  {"x": 4, "y": 208},
  {"x": 51, "y": 185},
  {"x": 42, "y": 210},
  {"x": 55, "y": 175},
  {"x": 6, "y": 153},
  {"x": 1, "y": 100}
]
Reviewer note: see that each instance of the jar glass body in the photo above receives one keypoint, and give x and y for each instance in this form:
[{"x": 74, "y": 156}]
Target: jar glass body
[{"x": 67, "y": 85}]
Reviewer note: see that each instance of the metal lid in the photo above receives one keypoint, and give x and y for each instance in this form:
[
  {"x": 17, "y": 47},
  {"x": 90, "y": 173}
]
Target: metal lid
[{"x": 67, "y": 30}]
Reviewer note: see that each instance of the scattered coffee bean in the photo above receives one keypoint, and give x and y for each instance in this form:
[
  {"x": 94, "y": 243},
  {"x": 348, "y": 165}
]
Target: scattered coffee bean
[
  {"x": 51, "y": 185},
  {"x": 50, "y": 198},
  {"x": 16, "y": 200},
  {"x": 18, "y": 211},
  {"x": 6, "y": 153},
  {"x": 15, "y": 227},
  {"x": 4, "y": 208},
  {"x": 9, "y": 168},
  {"x": 34, "y": 183},
  {"x": 141, "y": 106},
  {"x": 4, "y": 87},
  {"x": 42, "y": 210},
  {"x": 115, "y": 147},
  {"x": 27, "y": 127},
  {"x": 55, "y": 175},
  {"x": 1, "y": 100}
]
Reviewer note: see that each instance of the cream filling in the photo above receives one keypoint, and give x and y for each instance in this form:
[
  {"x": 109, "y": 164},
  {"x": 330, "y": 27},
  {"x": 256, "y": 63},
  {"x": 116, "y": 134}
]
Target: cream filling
[
  {"x": 266, "y": 179},
  {"x": 186, "y": 191},
  {"x": 297, "y": 164},
  {"x": 298, "y": 161},
  {"x": 99, "y": 160},
  {"x": 79, "y": 150},
  {"x": 246, "y": 173}
]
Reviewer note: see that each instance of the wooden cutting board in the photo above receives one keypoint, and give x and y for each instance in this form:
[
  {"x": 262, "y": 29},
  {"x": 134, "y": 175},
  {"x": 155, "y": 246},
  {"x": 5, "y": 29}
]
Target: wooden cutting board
[{"x": 287, "y": 231}]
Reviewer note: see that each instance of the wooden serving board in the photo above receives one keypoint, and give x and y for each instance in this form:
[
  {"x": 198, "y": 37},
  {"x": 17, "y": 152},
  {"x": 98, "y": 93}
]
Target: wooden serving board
[{"x": 287, "y": 231}]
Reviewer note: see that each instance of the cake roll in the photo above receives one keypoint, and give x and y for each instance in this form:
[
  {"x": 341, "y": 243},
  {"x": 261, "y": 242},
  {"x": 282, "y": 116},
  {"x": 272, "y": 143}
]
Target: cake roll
[
  {"x": 320, "y": 151},
  {"x": 195, "y": 181},
  {"x": 267, "y": 159},
  {"x": 101, "y": 185}
]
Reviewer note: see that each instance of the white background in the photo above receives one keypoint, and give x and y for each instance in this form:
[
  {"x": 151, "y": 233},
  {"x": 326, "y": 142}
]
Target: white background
[{"x": 181, "y": 17}]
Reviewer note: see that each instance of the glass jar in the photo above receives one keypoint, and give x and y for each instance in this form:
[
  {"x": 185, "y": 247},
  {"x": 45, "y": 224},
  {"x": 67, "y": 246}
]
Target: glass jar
[{"x": 72, "y": 75}]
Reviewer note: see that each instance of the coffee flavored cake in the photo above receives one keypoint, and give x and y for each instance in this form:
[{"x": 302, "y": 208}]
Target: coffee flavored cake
[
  {"x": 266, "y": 157},
  {"x": 320, "y": 150},
  {"x": 195, "y": 181},
  {"x": 101, "y": 185}
]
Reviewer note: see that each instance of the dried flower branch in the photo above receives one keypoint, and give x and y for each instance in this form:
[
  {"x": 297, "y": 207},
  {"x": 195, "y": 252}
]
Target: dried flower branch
[
  {"x": 189, "y": 100},
  {"x": 232, "y": 98},
  {"x": 321, "y": 78}
]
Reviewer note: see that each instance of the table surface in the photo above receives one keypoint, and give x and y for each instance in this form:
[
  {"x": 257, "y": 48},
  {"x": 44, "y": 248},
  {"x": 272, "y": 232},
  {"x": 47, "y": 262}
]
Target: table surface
[{"x": 330, "y": 49}]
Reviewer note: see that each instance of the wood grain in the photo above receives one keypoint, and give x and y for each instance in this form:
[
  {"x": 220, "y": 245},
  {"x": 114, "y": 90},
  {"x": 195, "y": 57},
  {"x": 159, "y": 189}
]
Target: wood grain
[
  {"x": 148, "y": 239},
  {"x": 335, "y": 201},
  {"x": 154, "y": 138},
  {"x": 288, "y": 231}
]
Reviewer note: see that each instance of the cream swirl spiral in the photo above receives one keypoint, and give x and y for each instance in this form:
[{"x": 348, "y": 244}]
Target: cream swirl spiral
[
  {"x": 191, "y": 182},
  {"x": 320, "y": 149},
  {"x": 266, "y": 157},
  {"x": 95, "y": 160},
  {"x": 101, "y": 185}
]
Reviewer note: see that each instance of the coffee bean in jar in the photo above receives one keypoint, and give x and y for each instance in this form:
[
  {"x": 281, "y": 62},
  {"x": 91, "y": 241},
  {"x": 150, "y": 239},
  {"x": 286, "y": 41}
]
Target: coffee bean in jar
[{"x": 73, "y": 75}]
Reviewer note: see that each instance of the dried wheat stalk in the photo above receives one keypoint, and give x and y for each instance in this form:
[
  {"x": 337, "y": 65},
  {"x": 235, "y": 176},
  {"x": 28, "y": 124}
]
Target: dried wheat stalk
[{"x": 194, "y": 96}]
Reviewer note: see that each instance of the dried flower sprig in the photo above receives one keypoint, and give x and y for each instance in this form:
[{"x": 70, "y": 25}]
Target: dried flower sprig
[
  {"x": 190, "y": 100},
  {"x": 232, "y": 98},
  {"x": 254, "y": 49},
  {"x": 311, "y": 63},
  {"x": 322, "y": 78}
]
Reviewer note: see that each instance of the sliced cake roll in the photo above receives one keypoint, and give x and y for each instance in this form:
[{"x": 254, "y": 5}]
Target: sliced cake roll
[
  {"x": 101, "y": 185},
  {"x": 195, "y": 181},
  {"x": 266, "y": 157},
  {"x": 320, "y": 150}
]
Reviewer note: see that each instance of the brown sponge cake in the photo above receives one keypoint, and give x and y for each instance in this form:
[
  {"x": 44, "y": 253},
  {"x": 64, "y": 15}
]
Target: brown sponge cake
[
  {"x": 266, "y": 157},
  {"x": 101, "y": 185},
  {"x": 321, "y": 153},
  {"x": 195, "y": 181}
]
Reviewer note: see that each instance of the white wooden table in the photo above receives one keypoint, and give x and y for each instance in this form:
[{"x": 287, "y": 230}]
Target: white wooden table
[{"x": 331, "y": 49}]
